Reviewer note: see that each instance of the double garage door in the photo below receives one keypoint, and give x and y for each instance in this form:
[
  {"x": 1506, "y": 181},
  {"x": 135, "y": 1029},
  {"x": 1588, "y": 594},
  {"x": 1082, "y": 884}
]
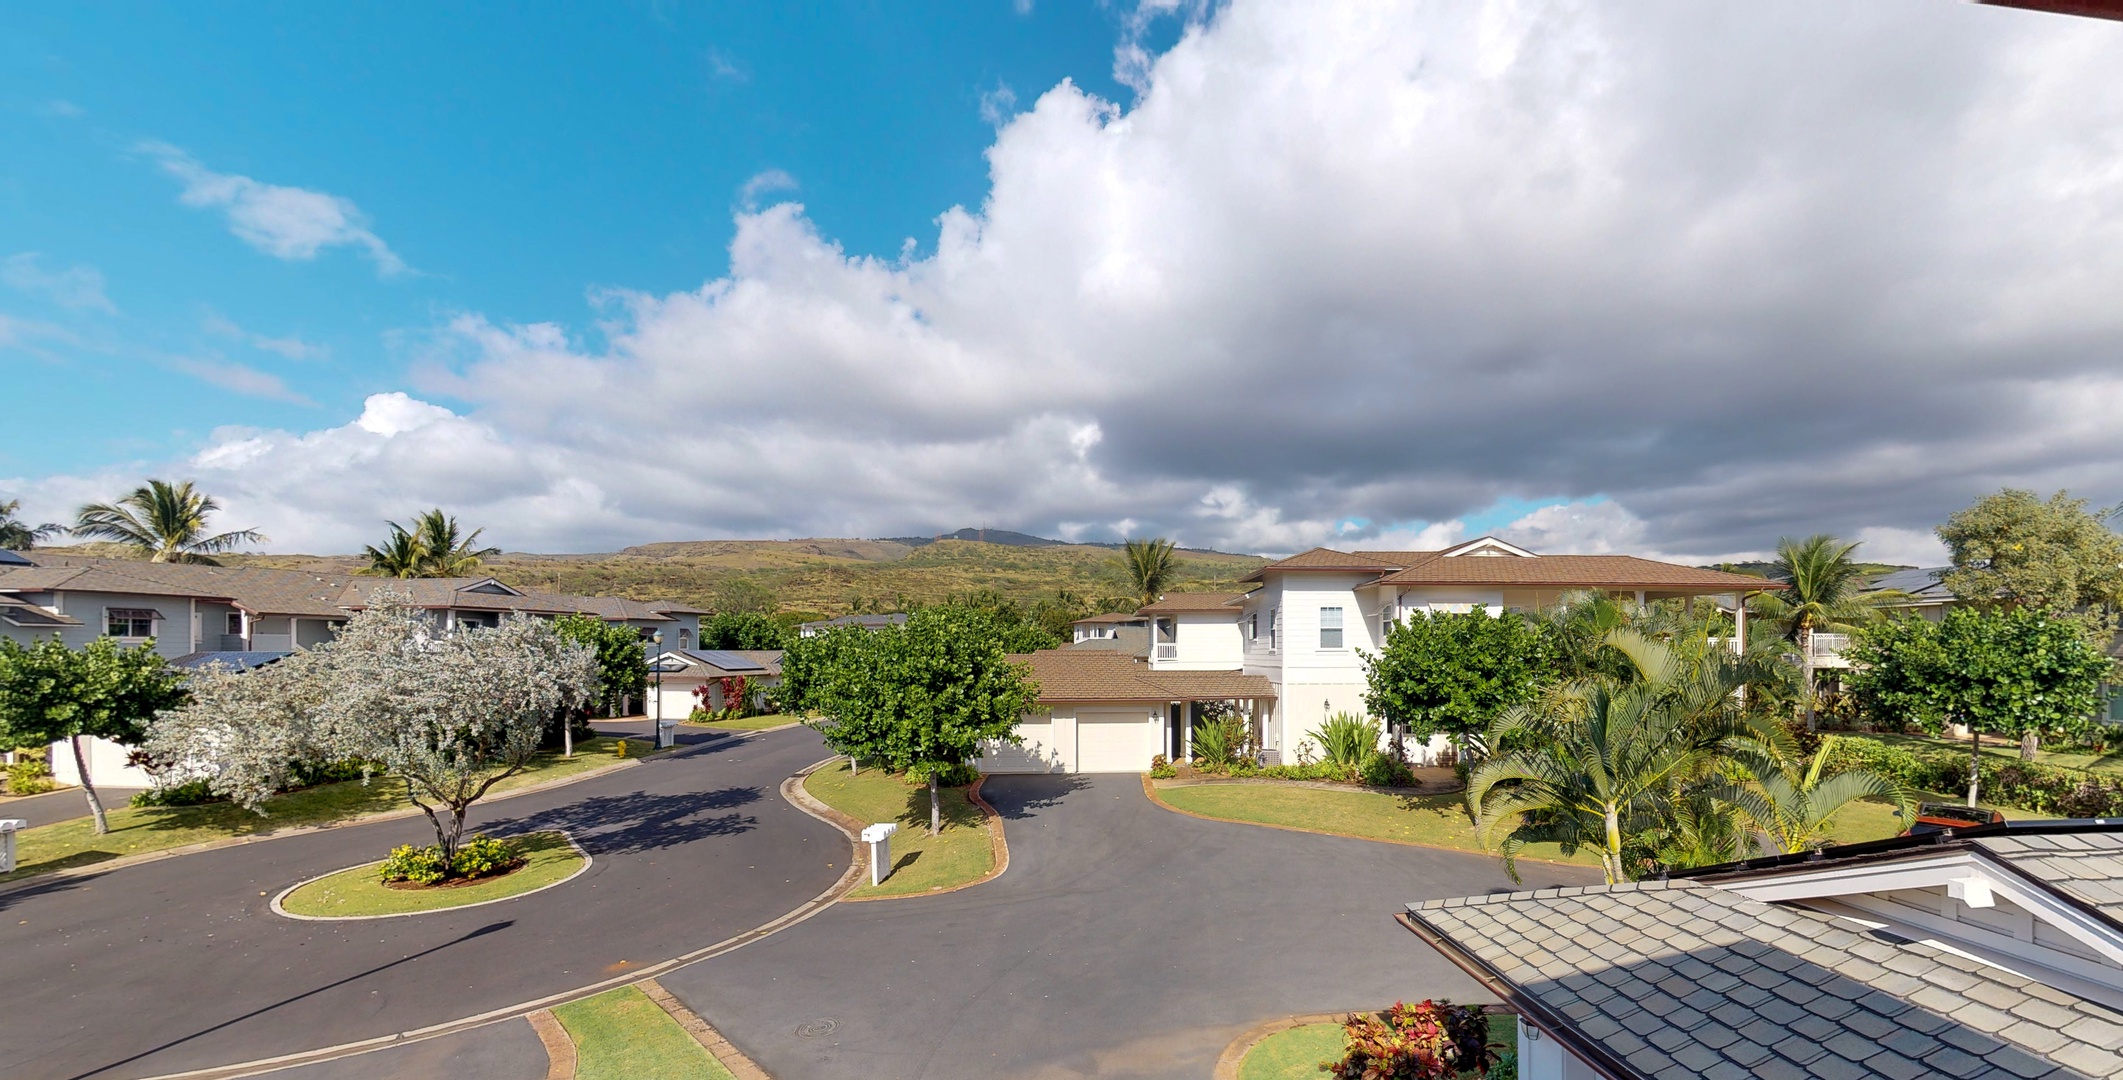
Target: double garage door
[{"x": 1090, "y": 740}]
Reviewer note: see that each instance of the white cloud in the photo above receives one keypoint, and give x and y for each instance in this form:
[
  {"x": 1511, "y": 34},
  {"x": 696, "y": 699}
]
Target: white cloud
[
  {"x": 998, "y": 104},
  {"x": 762, "y": 183},
  {"x": 1709, "y": 276},
  {"x": 284, "y": 222},
  {"x": 290, "y": 347},
  {"x": 1909, "y": 547},
  {"x": 239, "y": 379},
  {"x": 76, "y": 287}
]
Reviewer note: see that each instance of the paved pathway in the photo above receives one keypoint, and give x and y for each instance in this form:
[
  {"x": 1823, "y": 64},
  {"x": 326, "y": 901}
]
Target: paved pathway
[
  {"x": 1124, "y": 941},
  {"x": 178, "y": 964},
  {"x": 66, "y": 804}
]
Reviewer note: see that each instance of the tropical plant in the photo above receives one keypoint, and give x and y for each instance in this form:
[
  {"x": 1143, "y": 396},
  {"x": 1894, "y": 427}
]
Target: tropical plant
[
  {"x": 1596, "y": 763},
  {"x": 446, "y": 554},
  {"x": 16, "y": 535},
  {"x": 1697, "y": 830},
  {"x": 1433, "y": 1040},
  {"x": 1149, "y": 565},
  {"x": 163, "y": 521},
  {"x": 1821, "y": 594},
  {"x": 401, "y": 556},
  {"x": 2052, "y": 556},
  {"x": 1219, "y": 736},
  {"x": 1791, "y": 801},
  {"x": 50, "y": 693},
  {"x": 1453, "y": 673},
  {"x": 1346, "y": 739}
]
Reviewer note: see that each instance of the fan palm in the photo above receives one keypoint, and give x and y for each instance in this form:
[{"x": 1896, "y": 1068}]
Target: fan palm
[
  {"x": 1790, "y": 803},
  {"x": 1150, "y": 565},
  {"x": 165, "y": 522},
  {"x": 20, "y": 535},
  {"x": 401, "y": 556},
  {"x": 446, "y": 554},
  {"x": 1822, "y": 594}
]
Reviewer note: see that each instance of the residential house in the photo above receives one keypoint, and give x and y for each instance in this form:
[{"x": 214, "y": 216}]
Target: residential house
[
  {"x": 867, "y": 622},
  {"x": 1989, "y": 951},
  {"x": 1108, "y": 625},
  {"x": 682, "y": 679},
  {"x": 1105, "y": 711}
]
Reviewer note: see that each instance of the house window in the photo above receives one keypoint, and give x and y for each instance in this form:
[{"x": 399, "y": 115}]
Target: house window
[
  {"x": 1330, "y": 628},
  {"x": 235, "y": 623},
  {"x": 1385, "y": 623},
  {"x": 1274, "y": 624},
  {"x": 1253, "y": 627},
  {"x": 131, "y": 622},
  {"x": 685, "y": 638}
]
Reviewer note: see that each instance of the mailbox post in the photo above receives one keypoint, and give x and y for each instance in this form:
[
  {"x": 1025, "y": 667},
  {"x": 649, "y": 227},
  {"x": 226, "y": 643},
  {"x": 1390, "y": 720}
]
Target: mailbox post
[
  {"x": 879, "y": 837},
  {"x": 8, "y": 828}
]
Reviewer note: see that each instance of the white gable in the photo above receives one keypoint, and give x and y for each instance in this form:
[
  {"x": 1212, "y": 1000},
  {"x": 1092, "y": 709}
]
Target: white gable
[{"x": 1488, "y": 546}]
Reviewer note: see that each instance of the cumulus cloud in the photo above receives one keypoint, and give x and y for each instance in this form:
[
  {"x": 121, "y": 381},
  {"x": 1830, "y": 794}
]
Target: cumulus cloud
[
  {"x": 762, "y": 183},
  {"x": 1700, "y": 277},
  {"x": 285, "y": 222},
  {"x": 76, "y": 287}
]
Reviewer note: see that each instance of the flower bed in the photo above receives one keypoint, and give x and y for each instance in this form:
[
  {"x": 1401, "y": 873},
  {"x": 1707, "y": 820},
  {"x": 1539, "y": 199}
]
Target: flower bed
[{"x": 499, "y": 870}]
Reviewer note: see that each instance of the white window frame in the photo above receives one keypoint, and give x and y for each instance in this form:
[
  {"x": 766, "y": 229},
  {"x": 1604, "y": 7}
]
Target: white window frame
[
  {"x": 1253, "y": 626},
  {"x": 132, "y": 617},
  {"x": 1331, "y": 624}
]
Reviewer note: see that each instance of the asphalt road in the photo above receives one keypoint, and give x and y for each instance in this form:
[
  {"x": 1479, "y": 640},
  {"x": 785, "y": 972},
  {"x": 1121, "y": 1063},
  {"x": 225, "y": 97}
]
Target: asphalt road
[
  {"x": 1124, "y": 941},
  {"x": 179, "y": 964},
  {"x": 65, "y": 804}
]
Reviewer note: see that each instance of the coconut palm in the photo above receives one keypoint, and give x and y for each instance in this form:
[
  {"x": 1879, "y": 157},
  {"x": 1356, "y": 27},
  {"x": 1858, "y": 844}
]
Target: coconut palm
[
  {"x": 1790, "y": 803},
  {"x": 1150, "y": 565},
  {"x": 446, "y": 554},
  {"x": 1822, "y": 594},
  {"x": 18, "y": 535},
  {"x": 1597, "y": 762},
  {"x": 163, "y": 521},
  {"x": 401, "y": 556}
]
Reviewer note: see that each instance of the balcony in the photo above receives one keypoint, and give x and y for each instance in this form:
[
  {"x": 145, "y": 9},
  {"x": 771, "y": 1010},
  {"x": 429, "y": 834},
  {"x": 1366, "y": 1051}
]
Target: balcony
[{"x": 1826, "y": 650}]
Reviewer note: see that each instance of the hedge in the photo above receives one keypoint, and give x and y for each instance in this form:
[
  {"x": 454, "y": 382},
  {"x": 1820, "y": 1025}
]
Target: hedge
[{"x": 2044, "y": 789}]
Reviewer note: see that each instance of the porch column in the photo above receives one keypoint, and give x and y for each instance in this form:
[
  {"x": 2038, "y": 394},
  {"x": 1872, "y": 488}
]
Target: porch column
[{"x": 1739, "y": 624}]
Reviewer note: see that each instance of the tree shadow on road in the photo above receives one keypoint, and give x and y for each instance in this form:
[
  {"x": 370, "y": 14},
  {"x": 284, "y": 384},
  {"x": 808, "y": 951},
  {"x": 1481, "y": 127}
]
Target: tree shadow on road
[
  {"x": 641, "y": 822},
  {"x": 1019, "y": 796}
]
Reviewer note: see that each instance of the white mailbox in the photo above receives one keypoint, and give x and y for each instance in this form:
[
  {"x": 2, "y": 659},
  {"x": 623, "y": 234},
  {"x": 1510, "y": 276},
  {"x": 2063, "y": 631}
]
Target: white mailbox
[
  {"x": 879, "y": 837},
  {"x": 8, "y": 828}
]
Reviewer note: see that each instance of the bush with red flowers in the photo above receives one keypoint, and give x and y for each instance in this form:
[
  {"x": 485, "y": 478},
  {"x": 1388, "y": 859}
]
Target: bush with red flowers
[{"x": 1433, "y": 1040}]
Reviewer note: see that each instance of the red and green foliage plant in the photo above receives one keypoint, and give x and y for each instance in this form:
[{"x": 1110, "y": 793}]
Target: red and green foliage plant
[{"x": 1432, "y": 1040}]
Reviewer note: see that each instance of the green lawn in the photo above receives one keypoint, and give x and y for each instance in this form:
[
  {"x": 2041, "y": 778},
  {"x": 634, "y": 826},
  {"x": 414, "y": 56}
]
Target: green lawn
[
  {"x": 622, "y": 1035},
  {"x": 2005, "y": 749},
  {"x": 548, "y": 857},
  {"x": 1873, "y": 819},
  {"x": 135, "y": 830},
  {"x": 924, "y": 863},
  {"x": 750, "y": 723},
  {"x": 1296, "y": 1053},
  {"x": 1431, "y": 820}
]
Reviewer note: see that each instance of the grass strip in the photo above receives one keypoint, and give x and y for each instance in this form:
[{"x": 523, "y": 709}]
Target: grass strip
[
  {"x": 960, "y": 854},
  {"x": 622, "y": 1035},
  {"x": 750, "y": 723},
  {"x": 138, "y": 830},
  {"x": 548, "y": 857},
  {"x": 1429, "y": 820}
]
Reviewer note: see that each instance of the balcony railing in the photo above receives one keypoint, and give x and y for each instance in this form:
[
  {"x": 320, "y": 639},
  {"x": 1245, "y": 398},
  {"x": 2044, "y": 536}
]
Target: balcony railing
[
  {"x": 1828, "y": 648},
  {"x": 1166, "y": 652}
]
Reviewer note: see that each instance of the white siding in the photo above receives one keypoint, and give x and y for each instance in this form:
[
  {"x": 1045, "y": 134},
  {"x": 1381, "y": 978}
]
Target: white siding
[
  {"x": 1206, "y": 641},
  {"x": 1035, "y": 754},
  {"x": 106, "y": 764}
]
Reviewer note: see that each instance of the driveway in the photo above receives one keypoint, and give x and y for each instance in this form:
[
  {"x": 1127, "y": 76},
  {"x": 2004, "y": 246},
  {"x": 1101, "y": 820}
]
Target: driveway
[
  {"x": 178, "y": 964},
  {"x": 1124, "y": 941},
  {"x": 65, "y": 804}
]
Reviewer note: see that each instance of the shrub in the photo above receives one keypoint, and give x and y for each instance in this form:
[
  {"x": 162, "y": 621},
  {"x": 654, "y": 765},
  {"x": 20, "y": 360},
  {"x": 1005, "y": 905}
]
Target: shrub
[
  {"x": 484, "y": 856},
  {"x": 188, "y": 793},
  {"x": 478, "y": 857},
  {"x": 1380, "y": 770},
  {"x": 1345, "y": 738},
  {"x": 1218, "y": 739},
  {"x": 2046, "y": 789},
  {"x": 419, "y": 865},
  {"x": 1505, "y": 1067},
  {"x": 1434, "y": 1040},
  {"x": 306, "y": 774},
  {"x": 1161, "y": 769},
  {"x": 29, "y": 775}
]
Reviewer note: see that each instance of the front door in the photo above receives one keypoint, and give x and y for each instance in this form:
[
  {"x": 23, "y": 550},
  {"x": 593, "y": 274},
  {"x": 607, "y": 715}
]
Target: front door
[{"x": 1176, "y": 733}]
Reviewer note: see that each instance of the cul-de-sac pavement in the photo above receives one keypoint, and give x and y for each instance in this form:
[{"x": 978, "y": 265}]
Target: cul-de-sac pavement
[{"x": 1123, "y": 941}]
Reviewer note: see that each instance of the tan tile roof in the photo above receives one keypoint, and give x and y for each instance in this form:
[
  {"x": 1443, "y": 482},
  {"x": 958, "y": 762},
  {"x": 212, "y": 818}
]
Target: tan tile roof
[
  {"x": 1571, "y": 572},
  {"x": 1683, "y": 979},
  {"x": 1177, "y": 602},
  {"x": 1108, "y": 617},
  {"x": 1071, "y": 675},
  {"x": 1320, "y": 558}
]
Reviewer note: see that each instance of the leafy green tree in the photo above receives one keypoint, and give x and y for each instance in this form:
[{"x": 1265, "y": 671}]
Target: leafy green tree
[
  {"x": 18, "y": 535},
  {"x": 164, "y": 522},
  {"x": 622, "y": 663},
  {"x": 50, "y": 693},
  {"x": 920, "y": 698},
  {"x": 1454, "y": 673},
  {"x": 2013, "y": 672},
  {"x": 746, "y": 597},
  {"x": 2051, "y": 556},
  {"x": 401, "y": 556},
  {"x": 1822, "y": 594},
  {"x": 1150, "y": 566},
  {"x": 743, "y": 630}
]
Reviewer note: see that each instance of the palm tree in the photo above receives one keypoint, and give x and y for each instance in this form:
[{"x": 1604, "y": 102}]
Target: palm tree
[
  {"x": 446, "y": 555},
  {"x": 165, "y": 522},
  {"x": 1598, "y": 761},
  {"x": 401, "y": 556},
  {"x": 1821, "y": 595},
  {"x": 20, "y": 535},
  {"x": 1790, "y": 803},
  {"x": 1150, "y": 565}
]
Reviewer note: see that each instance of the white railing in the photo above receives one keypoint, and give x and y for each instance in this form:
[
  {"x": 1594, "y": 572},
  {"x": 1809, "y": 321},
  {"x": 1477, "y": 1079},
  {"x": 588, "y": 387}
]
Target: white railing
[{"x": 1167, "y": 652}]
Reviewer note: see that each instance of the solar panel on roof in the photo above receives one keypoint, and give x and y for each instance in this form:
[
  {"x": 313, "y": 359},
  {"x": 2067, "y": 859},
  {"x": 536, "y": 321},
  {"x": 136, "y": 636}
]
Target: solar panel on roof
[{"x": 726, "y": 660}]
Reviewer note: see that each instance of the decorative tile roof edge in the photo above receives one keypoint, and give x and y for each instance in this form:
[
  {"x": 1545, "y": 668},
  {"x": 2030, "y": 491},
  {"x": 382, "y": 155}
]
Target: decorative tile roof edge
[{"x": 1529, "y": 1008}]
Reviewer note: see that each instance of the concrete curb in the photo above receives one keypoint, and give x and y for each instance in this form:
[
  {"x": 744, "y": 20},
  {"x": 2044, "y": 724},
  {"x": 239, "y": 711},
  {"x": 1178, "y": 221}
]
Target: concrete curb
[
  {"x": 1227, "y": 1063},
  {"x": 587, "y": 862},
  {"x": 559, "y": 1048},
  {"x": 998, "y": 845},
  {"x": 733, "y": 1059}
]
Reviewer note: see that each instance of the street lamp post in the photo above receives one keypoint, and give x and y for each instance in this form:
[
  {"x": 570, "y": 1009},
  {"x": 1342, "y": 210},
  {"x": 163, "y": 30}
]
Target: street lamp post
[{"x": 656, "y": 666}]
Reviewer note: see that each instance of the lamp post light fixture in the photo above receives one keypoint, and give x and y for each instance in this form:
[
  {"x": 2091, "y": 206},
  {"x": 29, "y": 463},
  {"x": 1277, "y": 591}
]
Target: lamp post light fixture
[{"x": 656, "y": 666}]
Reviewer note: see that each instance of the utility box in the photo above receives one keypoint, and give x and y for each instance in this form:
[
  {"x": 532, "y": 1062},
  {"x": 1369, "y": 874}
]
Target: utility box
[
  {"x": 8, "y": 828},
  {"x": 666, "y": 734},
  {"x": 878, "y": 836}
]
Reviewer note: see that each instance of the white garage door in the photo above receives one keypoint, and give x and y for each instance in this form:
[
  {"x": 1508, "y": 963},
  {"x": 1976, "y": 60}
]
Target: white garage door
[
  {"x": 1034, "y": 755},
  {"x": 1115, "y": 740},
  {"x": 678, "y": 700}
]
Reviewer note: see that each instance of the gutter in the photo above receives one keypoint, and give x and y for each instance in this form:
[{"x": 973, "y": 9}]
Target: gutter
[{"x": 1550, "y": 1023}]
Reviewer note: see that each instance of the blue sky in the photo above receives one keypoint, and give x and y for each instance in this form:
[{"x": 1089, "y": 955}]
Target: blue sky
[{"x": 513, "y": 158}]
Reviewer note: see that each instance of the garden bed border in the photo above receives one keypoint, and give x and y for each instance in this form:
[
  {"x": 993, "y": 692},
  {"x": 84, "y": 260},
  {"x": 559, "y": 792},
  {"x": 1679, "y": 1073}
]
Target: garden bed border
[{"x": 587, "y": 862}]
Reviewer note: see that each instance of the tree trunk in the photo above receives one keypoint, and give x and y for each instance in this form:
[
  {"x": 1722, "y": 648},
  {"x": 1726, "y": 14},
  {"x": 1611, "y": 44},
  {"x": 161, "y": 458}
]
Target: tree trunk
[
  {"x": 88, "y": 788},
  {"x": 1806, "y": 675},
  {"x": 567, "y": 735},
  {"x": 1975, "y": 764},
  {"x": 936, "y": 807},
  {"x": 2029, "y": 743}
]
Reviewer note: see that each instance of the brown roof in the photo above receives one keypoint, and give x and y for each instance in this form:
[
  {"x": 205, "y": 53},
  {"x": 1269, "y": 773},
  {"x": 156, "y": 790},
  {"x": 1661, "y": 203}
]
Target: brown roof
[
  {"x": 1108, "y": 617},
  {"x": 1100, "y": 675},
  {"x": 1571, "y": 572},
  {"x": 1320, "y": 558},
  {"x": 1174, "y": 603}
]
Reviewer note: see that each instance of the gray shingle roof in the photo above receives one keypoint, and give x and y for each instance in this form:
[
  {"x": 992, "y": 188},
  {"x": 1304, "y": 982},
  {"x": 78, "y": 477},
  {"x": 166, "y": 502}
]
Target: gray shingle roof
[
  {"x": 2085, "y": 866},
  {"x": 1920, "y": 582},
  {"x": 1683, "y": 979}
]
